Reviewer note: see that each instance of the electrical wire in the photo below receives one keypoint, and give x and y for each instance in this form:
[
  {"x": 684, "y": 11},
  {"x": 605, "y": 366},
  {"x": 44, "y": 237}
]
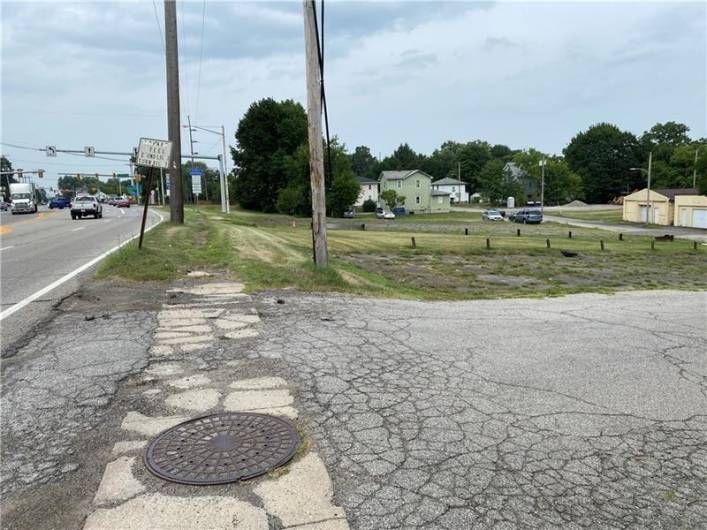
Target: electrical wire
[
  {"x": 320, "y": 52},
  {"x": 159, "y": 26},
  {"x": 21, "y": 146},
  {"x": 201, "y": 57}
]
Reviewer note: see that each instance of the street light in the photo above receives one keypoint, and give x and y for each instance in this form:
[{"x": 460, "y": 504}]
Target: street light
[{"x": 648, "y": 189}]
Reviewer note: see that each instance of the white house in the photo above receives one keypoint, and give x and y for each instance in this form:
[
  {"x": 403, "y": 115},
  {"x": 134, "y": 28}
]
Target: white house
[
  {"x": 456, "y": 189},
  {"x": 369, "y": 190}
]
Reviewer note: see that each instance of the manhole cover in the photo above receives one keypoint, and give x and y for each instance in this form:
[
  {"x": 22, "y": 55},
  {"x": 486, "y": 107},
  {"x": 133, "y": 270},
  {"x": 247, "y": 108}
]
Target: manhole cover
[{"x": 221, "y": 448}]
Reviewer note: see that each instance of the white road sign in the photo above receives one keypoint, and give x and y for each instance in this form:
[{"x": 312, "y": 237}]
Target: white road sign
[
  {"x": 154, "y": 153},
  {"x": 51, "y": 150},
  {"x": 89, "y": 150},
  {"x": 196, "y": 184}
]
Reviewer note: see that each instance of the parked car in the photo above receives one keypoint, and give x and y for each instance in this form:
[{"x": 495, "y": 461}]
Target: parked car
[
  {"x": 122, "y": 203},
  {"x": 60, "y": 202},
  {"x": 86, "y": 205},
  {"x": 527, "y": 216},
  {"x": 384, "y": 214},
  {"x": 491, "y": 215},
  {"x": 4, "y": 206},
  {"x": 349, "y": 214}
]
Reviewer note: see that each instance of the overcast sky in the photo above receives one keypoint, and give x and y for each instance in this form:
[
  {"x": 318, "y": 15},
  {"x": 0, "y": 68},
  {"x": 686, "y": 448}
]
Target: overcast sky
[{"x": 525, "y": 74}]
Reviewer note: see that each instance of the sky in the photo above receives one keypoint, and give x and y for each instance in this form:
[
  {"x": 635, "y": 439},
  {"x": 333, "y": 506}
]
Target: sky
[{"x": 524, "y": 74}]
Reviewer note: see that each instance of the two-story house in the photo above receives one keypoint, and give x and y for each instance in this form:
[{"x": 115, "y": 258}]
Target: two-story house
[
  {"x": 455, "y": 187},
  {"x": 369, "y": 190},
  {"x": 416, "y": 187}
]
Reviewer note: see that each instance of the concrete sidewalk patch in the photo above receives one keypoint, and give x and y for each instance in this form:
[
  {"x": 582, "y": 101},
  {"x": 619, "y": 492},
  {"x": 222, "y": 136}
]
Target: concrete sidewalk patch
[{"x": 118, "y": 483}]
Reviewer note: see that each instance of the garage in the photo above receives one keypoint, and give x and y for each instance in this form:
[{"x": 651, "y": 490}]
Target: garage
[{"x": 699, "y": 218}]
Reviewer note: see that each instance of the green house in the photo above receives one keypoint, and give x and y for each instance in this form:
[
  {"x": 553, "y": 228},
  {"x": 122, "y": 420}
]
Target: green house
[{"x": 416, "y": 187}]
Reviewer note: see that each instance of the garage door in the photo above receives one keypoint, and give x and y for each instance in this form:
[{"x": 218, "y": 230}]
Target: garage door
[{"x": 699, "y": 218}]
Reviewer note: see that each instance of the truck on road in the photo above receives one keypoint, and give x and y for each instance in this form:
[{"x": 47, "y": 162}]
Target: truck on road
[{"x": 22, "y": 198}]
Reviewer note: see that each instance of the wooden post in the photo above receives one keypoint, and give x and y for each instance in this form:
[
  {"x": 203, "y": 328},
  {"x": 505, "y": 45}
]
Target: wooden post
[
  {"x": 363, "y": 226},
  {"x": 316, "y": 151},
  {"x": 694, "y": 245},
  {"x": 488, "y": 242},
  {"x": 601, "y": 244},
  {"x": 652, "y": 244},
  {"x": 413, "y": 242},
  {"x": 547, "y": 243},
  {"x": 569, "y": 234},
  {"x": 518, "y": 232},
  {"x": 621, "y": 237},
  {"x": 466, "y": 231},
  {"x": 144, "y": 210}
]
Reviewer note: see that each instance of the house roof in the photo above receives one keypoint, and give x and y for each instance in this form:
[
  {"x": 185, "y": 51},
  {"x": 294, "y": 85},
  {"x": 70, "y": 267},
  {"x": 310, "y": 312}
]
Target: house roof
[
  {"x": 447, "y": 181},
  {"x": 439, "y": 192},
  {"x": 364, "y": 180},
  {"x": 401, "y": 175},
  {"x": 516, "y": 172},
  {"x": 670, "y": 193}
]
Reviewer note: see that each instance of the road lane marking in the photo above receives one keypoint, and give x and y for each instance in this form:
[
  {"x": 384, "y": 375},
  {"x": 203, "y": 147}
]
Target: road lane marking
[
  {"x": 31, "y": 298},
  {"x": 77, "y": 229},
  {"x": 5, "y": 248}
]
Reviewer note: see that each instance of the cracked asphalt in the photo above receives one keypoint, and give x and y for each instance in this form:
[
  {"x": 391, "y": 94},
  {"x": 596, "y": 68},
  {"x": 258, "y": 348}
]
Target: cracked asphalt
[{"x": 588, "y": 411}]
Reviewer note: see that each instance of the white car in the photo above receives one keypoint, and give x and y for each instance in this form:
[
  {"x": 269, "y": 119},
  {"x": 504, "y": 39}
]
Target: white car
[
  {"x": 85, "y": 205},
  {"x": 384, "y": 214},
  {"x": 491, "y": 215}
]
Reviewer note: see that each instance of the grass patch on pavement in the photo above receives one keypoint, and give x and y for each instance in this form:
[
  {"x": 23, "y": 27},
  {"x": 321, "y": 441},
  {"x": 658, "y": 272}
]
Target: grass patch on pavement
[
  {"x": 268, "y": 252},
  {"x": 605, "y": 216}
]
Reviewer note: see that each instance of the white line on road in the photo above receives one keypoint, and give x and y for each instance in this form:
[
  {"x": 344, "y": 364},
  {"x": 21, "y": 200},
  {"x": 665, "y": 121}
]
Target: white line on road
[
  {"x": 31, "y": 298},
  {"x": 5, "y": 248},
  {"x": 77, "y": 229}
]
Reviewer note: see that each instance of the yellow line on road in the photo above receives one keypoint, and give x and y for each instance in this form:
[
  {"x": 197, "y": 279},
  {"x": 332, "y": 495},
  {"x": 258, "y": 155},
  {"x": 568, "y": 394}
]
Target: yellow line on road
[{"x": 5, "y": 229}]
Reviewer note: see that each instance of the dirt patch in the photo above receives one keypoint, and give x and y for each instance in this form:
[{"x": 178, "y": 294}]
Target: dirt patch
[{"x": 99, "y": 297}]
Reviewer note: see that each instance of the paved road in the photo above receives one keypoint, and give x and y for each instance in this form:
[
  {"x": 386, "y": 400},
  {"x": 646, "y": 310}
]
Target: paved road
[
  {"x": 586, "y": 411},
  {"x": 37, "y": 250}
]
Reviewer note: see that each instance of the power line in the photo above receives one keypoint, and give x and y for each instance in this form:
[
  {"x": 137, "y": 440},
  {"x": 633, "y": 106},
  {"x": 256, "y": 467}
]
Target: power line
[
  {"x": 201, "y": 56},
  {"x": 21, "y": 146},
  {"x": 159, "y": 26},
  {"x": 320, "y": 51}
]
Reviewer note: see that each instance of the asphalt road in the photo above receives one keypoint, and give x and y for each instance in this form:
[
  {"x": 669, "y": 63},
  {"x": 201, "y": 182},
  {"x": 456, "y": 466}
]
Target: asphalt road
[{"x": 37, "y": 250}]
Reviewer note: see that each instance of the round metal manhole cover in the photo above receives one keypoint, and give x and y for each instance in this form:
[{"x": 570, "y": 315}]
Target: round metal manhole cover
[{"x": 221, "y": 448}]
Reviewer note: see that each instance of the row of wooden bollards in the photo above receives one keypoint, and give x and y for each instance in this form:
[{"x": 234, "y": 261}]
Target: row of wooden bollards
[{"x": 547, "y": 243}]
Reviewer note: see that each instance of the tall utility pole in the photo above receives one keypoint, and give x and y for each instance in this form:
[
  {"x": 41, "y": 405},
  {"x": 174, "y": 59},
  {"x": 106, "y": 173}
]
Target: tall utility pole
[
  {"x": 648, "y": 189},
  {"x": 176, "y": 199},
  {"x": 225, "y": 203},
  {"x": 694, "y": 170},
  {"x": 542, "y": 187},
  {"x": 316, "y": 151},
  {"x": 191, "y": 149}
]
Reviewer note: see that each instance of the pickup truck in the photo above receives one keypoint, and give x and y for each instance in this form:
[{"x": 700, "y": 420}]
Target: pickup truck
[{"x": 85, "y": 205}]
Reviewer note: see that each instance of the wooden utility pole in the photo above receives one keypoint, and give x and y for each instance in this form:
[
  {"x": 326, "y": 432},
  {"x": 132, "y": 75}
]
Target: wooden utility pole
[
  {"x": 176, "y": 199},
  {"x": 316, "y": 151}
]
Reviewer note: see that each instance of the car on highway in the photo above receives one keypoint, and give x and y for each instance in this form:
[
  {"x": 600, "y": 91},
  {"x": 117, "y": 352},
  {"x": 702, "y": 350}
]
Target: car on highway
[
  {"x": 85, "y": 205},
  {"x": 60, "y": 202},
  {"x": 491, "y": 215},
  {"x": 527, "y": 216},
  {"x": 122, "y": 203}
]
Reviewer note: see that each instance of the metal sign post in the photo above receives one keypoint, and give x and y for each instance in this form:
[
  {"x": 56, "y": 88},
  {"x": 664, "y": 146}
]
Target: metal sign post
[{"x": 151, "y": 153}]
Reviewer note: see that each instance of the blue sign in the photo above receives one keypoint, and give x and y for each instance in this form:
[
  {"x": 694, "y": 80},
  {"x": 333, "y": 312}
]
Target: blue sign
[{"x": 196, "y": 172}]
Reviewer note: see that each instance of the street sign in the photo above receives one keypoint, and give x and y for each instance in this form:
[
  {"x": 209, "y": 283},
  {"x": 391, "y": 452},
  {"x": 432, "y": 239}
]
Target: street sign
[
  {"x": 154, "y": 153},
  {"x": 123, "y": 176},
  {"x": 196, "y": 171},
  {"x": 51, "y": 150},
  {"x": 196, "y": 184},
  {"x": 89, "y": 150}
]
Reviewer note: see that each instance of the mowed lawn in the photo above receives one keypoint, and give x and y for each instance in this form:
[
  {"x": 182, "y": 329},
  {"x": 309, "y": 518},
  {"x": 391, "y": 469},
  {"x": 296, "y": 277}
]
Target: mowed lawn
[{"x": 271, "y": 252}]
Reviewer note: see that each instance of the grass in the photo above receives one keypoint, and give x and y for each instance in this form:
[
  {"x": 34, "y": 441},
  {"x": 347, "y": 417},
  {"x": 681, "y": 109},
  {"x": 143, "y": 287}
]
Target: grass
[{"x": 268, "y": 252}]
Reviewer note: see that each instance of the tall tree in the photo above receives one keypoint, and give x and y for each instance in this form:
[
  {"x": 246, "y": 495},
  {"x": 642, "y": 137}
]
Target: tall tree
[
  {"x": 496, "y": 183},
  {"x": 6, "y": 180},
  {"x": 269, "y": 132},
  {"x": 404, "y": 157},
  {"x": 670, "y": 132},
  {"x": 603, "y": 156},
  {"x": 363, "y": 163}
]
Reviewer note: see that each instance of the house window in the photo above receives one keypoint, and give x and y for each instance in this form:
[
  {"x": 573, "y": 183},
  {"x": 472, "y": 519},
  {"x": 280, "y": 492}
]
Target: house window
[
  {"x": 400, "y": 184},
  {"x": 417, "y": 199},
  {"x": 417, "y": 183},
  {"x": 454, "y": 188}
]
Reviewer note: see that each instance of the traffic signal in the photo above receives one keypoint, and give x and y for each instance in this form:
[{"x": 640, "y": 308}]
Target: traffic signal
[
  {"x": 114, "y": 175},
  {"x": 19, "y": 173},
  {"x": 40, "y": 173},
  {"x": 78, "y": 176},
  {"x": 96, "y": 175}
]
